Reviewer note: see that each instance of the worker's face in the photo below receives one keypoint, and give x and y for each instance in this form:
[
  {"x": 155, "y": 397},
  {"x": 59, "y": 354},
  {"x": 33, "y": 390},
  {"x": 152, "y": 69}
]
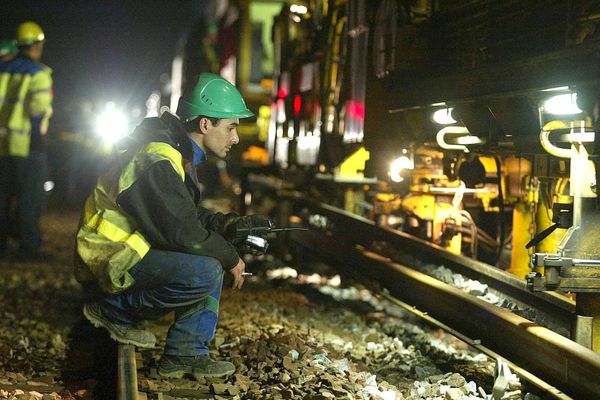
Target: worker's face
[
  {"x": 36, "y": 51},
  {"x": 221, "y": 137}
]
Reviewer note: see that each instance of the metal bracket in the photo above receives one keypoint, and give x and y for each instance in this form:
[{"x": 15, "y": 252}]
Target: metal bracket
[{"x": 564, "y": 274}]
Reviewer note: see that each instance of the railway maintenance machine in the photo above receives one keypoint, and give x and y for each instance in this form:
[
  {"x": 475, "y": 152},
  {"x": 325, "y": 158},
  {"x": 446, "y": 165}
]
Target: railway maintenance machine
[
  {"x": 468, "y": 124},
  {"x": 471, "y": 125}
]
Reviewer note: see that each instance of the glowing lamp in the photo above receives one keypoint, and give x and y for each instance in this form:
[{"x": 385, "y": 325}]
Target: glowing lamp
[
  {"x": 398, "y": 165},
  {"x": 444, "y": 116},
  {"x": 298, "y": 9},
  {"x": 562, "y": 104},
  {"x": 112, "y": 124}
]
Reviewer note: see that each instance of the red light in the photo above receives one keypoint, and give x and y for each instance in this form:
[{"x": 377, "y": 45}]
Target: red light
[
  {"x": 297, "y": 105},
  {"x": 282, "y": 92},
  {"x": 356, "y": 110}
]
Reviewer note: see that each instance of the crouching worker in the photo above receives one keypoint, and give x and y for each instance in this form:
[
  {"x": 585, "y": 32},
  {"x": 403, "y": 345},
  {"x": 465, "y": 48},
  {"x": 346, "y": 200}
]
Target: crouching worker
[{"x": 149, "y": 247}]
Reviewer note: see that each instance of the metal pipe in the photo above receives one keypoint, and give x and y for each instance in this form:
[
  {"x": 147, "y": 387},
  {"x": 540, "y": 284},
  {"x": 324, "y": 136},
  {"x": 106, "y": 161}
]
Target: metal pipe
[
  {"x": 127, "y": 373},
  {"x": 452, "y": 130},
  {"x": 552, "y": 149}
]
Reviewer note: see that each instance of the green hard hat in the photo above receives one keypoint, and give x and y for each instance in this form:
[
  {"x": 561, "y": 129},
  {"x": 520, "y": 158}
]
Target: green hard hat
[
  {"x": 213, "y": 96},
  {"x": 7, "y": 46}
]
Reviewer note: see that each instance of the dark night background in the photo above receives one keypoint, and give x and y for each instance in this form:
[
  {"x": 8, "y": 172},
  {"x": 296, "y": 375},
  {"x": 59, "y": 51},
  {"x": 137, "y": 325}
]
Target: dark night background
[
  {"x": 99, "y": 51},
  {"x": 104, "y": 50}
]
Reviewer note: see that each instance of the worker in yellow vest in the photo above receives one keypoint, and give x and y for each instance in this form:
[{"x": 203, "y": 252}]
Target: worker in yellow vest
[
  {"x": 145, "y": 244},
  {"x": 25, "y": 108}
]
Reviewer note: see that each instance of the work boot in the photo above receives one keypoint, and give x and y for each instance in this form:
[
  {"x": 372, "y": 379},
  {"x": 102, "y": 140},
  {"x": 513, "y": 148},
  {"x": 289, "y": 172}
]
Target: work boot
[
  {"x": 121, "y": 333},
  {"x": 202, "y": 366}
]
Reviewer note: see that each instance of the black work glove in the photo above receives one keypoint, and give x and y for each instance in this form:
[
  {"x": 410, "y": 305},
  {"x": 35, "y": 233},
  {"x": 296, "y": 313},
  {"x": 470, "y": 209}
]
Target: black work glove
[
  {"x": 239, "y": 228},
  {"x": 256, "y": 226}
]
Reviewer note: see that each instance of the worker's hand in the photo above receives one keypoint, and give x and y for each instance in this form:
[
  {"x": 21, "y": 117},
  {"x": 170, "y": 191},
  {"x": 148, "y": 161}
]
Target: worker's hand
[
  {"x": 257, "y": 225},
  {"x": 237, "y": 271}
]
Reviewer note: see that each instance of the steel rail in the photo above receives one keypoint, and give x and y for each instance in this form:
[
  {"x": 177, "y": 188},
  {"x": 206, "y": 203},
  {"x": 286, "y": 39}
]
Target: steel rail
[
  {"x": 553, "y": 358},
  {"x": 534, "y": 380},
  {"x": 364, "y": 232},
  {"x": 127, "y": 382}
]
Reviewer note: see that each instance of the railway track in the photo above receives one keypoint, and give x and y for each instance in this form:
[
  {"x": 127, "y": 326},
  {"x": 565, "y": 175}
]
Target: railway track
[
  {"x": 558, "y": 367},
  {"x": 52, "y": 301},
  {"x": 552, "y": 362},
  {"x": 293, "y": 315}
]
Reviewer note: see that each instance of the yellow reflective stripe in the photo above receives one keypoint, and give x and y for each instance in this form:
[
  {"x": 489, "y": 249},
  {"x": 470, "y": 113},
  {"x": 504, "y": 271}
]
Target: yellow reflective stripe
[
  {"x": 94, "y": 221},
  {"x": 169, "y": 152},
  {"x": 116, "y": 234},
  {"x": 138, "y": 243},
  {"x": 88, "y": 209}
]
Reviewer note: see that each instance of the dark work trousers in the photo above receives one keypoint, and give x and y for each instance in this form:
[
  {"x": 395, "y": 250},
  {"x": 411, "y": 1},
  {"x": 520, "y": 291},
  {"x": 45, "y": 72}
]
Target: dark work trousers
[
  {"x": 22, "y": 181},
  {"x": 167, "y": 281}
]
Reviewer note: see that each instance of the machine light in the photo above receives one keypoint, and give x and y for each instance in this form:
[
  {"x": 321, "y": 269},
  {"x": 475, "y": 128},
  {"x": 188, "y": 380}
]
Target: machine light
[
  {"x": 468, "y": 140},
  {"x": 556, "y": 89},
  {"x": 444, "y": 116},
  {"x": 398, "y": 165},
  {"x": 452, "y": 132},
  {"x": 562, "y": 104},
  {"x": 112, "y": 124},
  {"x": 48, "y": 186},
  {"x": 298, "y": 9}
]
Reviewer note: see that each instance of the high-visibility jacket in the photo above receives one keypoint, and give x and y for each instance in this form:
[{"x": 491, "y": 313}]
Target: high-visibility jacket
[
  {"x": 108, "y": 241},
  {"x": 147, "y": 199},
  {"x": 25, "y": 95}
]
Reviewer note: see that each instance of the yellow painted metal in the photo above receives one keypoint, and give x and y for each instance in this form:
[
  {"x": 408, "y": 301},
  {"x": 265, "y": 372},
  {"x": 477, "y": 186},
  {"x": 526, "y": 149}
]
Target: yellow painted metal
[
  {"x": 352, "y": 198},
  {"x": 386, "y": 203},
  {"x": 519, "y": 191},
  {"x": 489, "y": 164},
  {"x": 491, "y": 171},
  {"x": 516, "y": 170},
  {"x": 421, "y": 205},
  {"x": 436, "y": 209},
  {"x": 264, "y": 117},
  {"x": 354, "y": 166},
  {"x": 522, "y": 219}
]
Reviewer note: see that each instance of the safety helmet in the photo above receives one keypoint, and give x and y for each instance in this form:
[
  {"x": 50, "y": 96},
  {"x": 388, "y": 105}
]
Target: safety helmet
[
  {"x": 7, "y": 46},
  {"x": 29, "y": 32},
  {"x": 213, "y": 96}
]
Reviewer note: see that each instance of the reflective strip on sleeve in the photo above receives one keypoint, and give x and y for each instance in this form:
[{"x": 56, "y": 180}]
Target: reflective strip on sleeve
[{"x": 116, "y": 234}]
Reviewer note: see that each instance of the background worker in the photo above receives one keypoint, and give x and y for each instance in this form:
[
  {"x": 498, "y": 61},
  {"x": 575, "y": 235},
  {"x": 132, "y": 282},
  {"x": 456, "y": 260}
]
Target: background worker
[
  {"x": 8, "y": 50},
  {"x": 149, "y": 245},
  {"x": 25, "y": 108}
]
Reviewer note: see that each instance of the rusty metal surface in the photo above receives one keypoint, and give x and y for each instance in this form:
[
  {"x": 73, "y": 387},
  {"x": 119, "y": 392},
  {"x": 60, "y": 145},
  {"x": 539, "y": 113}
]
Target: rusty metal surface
[{"x": 553, "y": 358}]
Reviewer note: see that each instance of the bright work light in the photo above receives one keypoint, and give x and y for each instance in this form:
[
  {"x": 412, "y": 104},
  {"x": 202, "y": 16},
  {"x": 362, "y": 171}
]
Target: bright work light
[
  {"x": 444, "y": 116},
  {"x": 112, "y": 124},
  {"x": 398, "y": 165},
  {"x": 562, "y": 104}
]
